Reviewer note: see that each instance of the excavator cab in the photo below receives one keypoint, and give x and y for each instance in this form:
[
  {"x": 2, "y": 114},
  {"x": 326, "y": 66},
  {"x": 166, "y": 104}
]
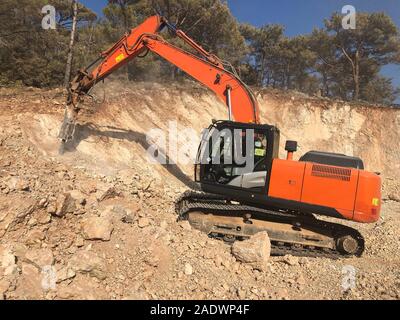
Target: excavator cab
[{"x": 235, "y": 156}]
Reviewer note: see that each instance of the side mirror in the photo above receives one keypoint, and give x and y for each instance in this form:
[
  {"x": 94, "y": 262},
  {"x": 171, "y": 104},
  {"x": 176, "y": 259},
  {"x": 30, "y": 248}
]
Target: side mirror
[{"x": 291, "y": 146}]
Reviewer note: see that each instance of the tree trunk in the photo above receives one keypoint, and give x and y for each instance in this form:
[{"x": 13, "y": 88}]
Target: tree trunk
[
  {"x": 125, "y": 16},
  {"x": 287, "y": 80},
  {"x": 357, "y": 76},
  {"x": 71, "y": 44},
  {"x": 174, "y": 73},
  {"x": 127, "y": 68},
  {"x": 355, "y": 67},
  {"x": 262, "y": 69},
  {"x": 326, "y": 86}
]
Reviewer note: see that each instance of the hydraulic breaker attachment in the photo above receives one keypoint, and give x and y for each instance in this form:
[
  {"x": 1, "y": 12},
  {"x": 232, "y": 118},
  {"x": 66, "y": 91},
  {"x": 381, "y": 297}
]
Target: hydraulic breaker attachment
[{"x": 68, "y": 126}]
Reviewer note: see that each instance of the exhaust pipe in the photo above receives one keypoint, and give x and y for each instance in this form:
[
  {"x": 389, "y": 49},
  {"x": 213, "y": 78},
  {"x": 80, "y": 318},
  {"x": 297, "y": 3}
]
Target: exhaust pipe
[{"x": 290, "y": 147}]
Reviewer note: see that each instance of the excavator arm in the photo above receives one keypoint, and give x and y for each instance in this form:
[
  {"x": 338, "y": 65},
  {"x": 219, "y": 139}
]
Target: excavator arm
[{"x": 203, "y": 66}]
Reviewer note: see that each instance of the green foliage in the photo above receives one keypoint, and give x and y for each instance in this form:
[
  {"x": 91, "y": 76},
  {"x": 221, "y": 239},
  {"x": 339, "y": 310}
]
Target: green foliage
[
  {"x": 28, "y": 53},
  {"x": 208, "y": 22},
  {"x": 263, "y": 51},
  {"x": 337, "y": 62},
  {"x": 379, "y": 90},
  {"x": 350, "y": 60},
  {"x": 279, "y": 61},
  {"x": 331, "y": 61},
  {"x": 197, "y": 18}
]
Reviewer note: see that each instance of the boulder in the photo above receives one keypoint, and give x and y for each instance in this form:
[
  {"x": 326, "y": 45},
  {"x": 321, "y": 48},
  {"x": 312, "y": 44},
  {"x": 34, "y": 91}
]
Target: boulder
[
  {"x": 29, "y": 284},
  {"x": 88, "y": 262},
  {"x": 82, "y": 288},
  {"x": 64, "y": 204},
  {"x": 143, "y": 222},
  {"x": 65, "y": 273},
  {"x": 14, "y": 211},
  {"x": 126, "y": 176},
  {"x": 4, "y": 285},
  {"x": 185, "y": 225},
  {"x": 254, "y": 251},
  {"x": 7, "y": 262},
  {"x": 13, "y": 182},
  {"x": 188, "y": 269},
  {"x": 394, "y": 197},
  {"x": 22, "y": 185},
  {"x": 291, "y": 260},
  {"x": 108, "y": 193},
  {"x": 78, "y": 196},
  {"x": 43, "y": 217},
  {"x": 97, "y": 228},
  {"x": 282, "y": 294},
  {"x": 118, "y": 213}
]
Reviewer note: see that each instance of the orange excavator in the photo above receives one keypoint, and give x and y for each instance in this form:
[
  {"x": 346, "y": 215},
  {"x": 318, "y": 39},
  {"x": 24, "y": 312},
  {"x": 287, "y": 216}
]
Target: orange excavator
[{"x": 244, "y": 187}]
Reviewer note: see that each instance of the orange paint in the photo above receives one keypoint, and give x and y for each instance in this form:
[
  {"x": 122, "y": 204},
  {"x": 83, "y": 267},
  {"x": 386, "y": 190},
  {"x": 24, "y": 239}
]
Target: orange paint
[
  {"x": 368, "y": 199},
  {"x": 209, "y": 71},
  {"x": 286, "y": 179},
  {"x": 330, "y": 186},
  {"x": 355, "y": 194}
]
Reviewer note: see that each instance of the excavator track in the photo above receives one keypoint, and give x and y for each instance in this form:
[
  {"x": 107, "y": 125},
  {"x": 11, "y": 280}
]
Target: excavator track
[{"x": 290, "y": 233}]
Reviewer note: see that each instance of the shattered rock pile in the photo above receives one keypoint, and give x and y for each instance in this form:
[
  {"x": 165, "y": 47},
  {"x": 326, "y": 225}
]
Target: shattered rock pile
[{"x": 70, "y": 229}]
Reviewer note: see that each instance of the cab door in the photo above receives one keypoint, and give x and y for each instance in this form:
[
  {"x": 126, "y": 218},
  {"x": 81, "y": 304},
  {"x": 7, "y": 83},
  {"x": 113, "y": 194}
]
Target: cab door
[{"x": 235, "y": 157}]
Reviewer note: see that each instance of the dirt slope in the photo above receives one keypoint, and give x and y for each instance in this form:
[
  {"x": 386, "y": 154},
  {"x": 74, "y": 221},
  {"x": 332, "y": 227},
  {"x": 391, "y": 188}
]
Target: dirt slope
[
  {"x": 100, "y": 218},
  {"x": 130, "y": 113}
]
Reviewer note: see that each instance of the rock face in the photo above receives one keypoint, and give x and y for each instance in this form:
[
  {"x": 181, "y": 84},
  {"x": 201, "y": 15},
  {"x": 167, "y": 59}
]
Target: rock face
[
  {"x": 254, "y": 251},
  {"x": 97, "y": 228}
]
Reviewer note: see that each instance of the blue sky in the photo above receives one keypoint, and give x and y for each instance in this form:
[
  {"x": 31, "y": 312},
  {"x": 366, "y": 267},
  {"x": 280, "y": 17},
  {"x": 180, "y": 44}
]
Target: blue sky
[{"x": 298, "y": 16}]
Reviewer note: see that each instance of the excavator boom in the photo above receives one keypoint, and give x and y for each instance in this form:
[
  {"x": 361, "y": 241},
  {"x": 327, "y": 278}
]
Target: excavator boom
[{"x": 202, "y": 66}]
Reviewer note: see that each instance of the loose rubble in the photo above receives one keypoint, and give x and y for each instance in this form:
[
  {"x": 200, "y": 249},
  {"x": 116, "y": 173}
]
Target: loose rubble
[{"x": 99, "y": 222}]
